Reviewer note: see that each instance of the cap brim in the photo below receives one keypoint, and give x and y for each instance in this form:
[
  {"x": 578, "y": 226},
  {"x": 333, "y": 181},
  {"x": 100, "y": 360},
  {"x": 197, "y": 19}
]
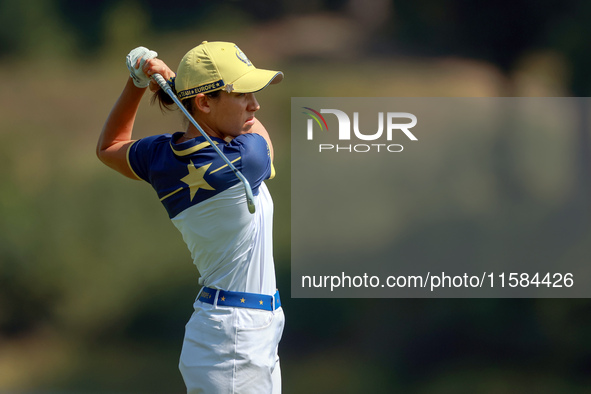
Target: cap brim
[{"x": 256, "y": 80}]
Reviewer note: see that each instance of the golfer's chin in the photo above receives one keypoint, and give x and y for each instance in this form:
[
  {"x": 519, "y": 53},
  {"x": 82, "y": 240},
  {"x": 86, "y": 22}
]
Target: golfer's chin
[{"x": 247, "y": 127}]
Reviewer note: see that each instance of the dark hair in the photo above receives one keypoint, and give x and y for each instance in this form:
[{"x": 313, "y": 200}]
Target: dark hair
[{"x": 165, "y": 101}]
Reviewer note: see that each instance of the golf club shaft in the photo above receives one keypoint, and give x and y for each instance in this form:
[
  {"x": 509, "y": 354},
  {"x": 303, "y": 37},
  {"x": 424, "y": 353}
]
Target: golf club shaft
[{"x": 249, "y": 196}]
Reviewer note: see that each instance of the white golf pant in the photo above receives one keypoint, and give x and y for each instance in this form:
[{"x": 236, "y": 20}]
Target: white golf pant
[{"x": 232, "y": 350}]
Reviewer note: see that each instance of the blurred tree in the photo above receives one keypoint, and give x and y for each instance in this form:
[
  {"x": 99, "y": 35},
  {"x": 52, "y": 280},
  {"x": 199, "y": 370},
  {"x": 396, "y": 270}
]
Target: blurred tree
[
  {"x": 125, "y": 25},
  {"x": 502, "y": 32},
  {"x": 498, "y": 32},
  {"x": 34, "y": 29},
  {"x": 570, "y": 36}
]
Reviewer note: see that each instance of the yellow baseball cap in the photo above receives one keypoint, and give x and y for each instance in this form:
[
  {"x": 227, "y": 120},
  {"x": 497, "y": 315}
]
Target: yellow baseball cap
[{"x": 214, "y": 66}]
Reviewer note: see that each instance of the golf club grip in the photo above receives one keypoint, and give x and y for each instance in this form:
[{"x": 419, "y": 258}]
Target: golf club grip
[
  {"x": 248, "y": 190},
  {"x": 161, "y": 82}
]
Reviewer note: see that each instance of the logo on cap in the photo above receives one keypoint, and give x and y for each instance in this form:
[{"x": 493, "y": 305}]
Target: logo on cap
[{"x": 242, "y": 56}]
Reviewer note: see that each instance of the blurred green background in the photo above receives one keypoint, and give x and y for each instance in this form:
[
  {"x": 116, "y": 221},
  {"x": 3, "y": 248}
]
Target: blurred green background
[{"x": 95, "y": 282}]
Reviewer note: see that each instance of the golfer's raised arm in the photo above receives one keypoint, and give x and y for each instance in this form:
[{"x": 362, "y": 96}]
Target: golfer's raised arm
[{"x": 116, "y": 136}]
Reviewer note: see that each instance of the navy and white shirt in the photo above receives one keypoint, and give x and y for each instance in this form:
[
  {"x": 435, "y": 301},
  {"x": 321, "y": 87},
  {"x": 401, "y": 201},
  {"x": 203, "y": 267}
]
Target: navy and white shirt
[{"x": 232, "y": 249}]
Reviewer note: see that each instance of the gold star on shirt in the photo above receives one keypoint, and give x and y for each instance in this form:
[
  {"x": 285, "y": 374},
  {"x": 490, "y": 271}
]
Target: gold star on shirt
[
  {"x": 223, "y": 298},
  {"x": 196, "y": 179},
  {"x": 242, "y": 300},
  {"x": 261, "y": 302}
]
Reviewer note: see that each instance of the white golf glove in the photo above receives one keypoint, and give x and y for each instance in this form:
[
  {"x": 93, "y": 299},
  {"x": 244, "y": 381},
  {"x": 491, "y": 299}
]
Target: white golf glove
[{"x": 140, "y": 79}]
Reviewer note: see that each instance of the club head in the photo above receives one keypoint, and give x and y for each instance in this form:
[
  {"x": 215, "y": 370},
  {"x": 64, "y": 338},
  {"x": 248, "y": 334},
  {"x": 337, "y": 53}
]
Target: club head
[{"x": 249, "y": 199}]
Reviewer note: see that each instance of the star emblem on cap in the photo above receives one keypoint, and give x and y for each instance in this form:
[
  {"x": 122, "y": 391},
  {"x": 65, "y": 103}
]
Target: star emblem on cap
[{"x": 229, "y": 87}]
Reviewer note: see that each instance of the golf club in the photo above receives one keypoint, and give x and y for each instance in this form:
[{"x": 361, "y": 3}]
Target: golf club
[{"x": 249, "y": 196}]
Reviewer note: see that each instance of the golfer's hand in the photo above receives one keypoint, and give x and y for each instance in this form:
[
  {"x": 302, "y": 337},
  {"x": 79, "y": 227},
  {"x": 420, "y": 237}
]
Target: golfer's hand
[
  {"x": 135, "y": 61},
  {"x": 156, "y": 66}
]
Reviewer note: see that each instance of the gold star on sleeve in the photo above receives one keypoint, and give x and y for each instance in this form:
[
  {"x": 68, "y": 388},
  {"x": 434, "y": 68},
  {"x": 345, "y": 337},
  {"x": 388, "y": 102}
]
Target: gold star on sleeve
[
  {"x": 242, "y": 300},
  {"x": 196, "y": 179},
  {"x": 261, "y": 302}
]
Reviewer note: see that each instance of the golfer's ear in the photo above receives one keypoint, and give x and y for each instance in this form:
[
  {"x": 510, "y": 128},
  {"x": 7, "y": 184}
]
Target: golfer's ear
[{"x": 202, "y": 103}]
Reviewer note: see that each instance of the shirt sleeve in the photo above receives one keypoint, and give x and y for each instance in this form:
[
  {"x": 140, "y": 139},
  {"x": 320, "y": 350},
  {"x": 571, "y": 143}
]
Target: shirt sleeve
[
  {"x": 140, "y": 155},
  {"x": 255, "y": 161}
]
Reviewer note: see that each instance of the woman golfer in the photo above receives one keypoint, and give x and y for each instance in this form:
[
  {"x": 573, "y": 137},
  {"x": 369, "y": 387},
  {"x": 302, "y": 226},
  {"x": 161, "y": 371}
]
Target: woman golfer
[{"x": 231, "y": 340}]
